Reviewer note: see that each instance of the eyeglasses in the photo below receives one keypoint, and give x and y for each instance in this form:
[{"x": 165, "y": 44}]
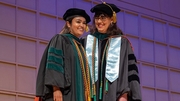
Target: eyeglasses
[{"x": 102, "y": 18}]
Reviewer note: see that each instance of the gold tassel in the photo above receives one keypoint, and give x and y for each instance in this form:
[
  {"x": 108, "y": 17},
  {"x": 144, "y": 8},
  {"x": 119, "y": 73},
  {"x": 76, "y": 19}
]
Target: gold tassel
[
  {"x": 87, "y": 28},
  {"x": 114, "y": 13},
  {"x": 114, "y": 17}
]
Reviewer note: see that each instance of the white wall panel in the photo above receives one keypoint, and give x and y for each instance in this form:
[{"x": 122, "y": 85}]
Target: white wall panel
[
  {"x": 9, "y": 1},
  {"x": 145, "y": 3},
  {"x": 7, "y": 77},
  {"x": 47, "y": 26},
  {"x": 147, "y": 76},
  {"x": 41, "y": 49},
  {"x": 47, "y": 6},
  {"x": 174, "y": 57},
  {"x": 148, "y": 94},
  {"x": 21, "y": 98},
  {"x": 146, "y": 27},
  {"x": 120, "y": 20},
  {"x": 84, "y": 5},
  {"x": 26, "y": 52},
  {"x": 26, "y": 22},
  {"x": 7, "y": 48},
  {"x": 170, "y": 7},
  {"x": 25, "y": 79},
  {"x": 131, "y": 24},
  {"x": 174, "y": 35},
  {"x": 7, "y": 97},
  {"x": 160, "y": 31},
  {"x": 162, "y": 96},
  {"x": 161, "y": 54},
  {"x": 147, "y": 50},
  {"x": 175, "y": 97},
  {"x": 135, "y": 45},
  {"x": 139, "y": 70},
  {"x": 175, "y": 81},
  {"x": 63, "y": 5},
  {"x": 60, "y": 25},
  {"x": 153, "y": 28},
  {"x": 163, "y": 9},
  {"x": 7, "y": 17},
  {"x": 27, "y": 3},
  {"x": 161, "y": 79}
]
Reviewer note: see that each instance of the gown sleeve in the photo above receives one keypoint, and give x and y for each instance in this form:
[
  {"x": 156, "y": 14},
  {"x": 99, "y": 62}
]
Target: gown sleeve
[
  {"x": 133, "y": 75},
  {"x": 51, "y": 71}
]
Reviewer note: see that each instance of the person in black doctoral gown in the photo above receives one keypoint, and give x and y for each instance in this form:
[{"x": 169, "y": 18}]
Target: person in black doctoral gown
[
  {"x": 112, "y": 62},
  {"x": 63, "y": 74}
]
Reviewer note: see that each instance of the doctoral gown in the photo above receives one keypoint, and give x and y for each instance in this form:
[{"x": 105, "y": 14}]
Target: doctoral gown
[
  {"x": 128, "y": 79},
  {"x": 60, "y": 67}
]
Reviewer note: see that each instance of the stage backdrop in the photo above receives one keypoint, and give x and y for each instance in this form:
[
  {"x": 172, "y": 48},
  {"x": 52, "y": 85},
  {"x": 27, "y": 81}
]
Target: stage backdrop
[{"x": 153, "y": 27}]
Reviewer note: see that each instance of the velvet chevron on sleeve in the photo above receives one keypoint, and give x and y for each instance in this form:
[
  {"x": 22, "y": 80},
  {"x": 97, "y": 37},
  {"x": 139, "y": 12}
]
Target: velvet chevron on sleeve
[
  {"x": 60, "y": 67},
  {"x": 133, "y": 75}
]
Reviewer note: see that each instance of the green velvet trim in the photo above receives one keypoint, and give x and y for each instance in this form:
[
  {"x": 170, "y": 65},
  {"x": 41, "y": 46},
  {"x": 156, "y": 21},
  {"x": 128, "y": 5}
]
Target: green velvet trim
[
  {"x": 78, "y": 76},
  {"x": 55, "y": 51},
  {"x": 79, "y": 84},
  {"x": 55, "y": 67},
  {"x": 100, "y": 36},
  {"x": 71, "y": 36},
  {"x": 94, "y": 98},
  {"x": 100, "y": 93},
  {"x": 106, "y": 85},
  {"x": 55, "y": 59}
]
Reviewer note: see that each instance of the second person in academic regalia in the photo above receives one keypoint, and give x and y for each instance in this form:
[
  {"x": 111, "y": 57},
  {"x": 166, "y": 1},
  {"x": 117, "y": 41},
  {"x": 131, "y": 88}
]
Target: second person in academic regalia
[{"x": 111, "y": 59}]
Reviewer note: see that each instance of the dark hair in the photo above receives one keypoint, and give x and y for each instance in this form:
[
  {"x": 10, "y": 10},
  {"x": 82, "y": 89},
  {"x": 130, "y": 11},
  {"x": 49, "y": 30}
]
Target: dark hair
[{"x": 113, "y": 29}]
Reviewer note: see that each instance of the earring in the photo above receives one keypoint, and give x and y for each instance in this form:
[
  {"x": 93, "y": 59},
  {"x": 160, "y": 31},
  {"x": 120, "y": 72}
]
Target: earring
[{"x": 111, "y": 22}]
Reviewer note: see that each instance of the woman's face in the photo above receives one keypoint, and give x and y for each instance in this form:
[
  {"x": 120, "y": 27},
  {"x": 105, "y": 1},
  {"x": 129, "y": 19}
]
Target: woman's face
[
  {"x": 102, "y": 22},
  {"x": 77, "y": 26}
]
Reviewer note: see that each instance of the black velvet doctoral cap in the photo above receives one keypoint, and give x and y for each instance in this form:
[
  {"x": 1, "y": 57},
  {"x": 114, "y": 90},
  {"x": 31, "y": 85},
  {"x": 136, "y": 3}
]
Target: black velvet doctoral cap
[
  {"x": 106, "y": 8},
  {"x": 76, "y": 11}
]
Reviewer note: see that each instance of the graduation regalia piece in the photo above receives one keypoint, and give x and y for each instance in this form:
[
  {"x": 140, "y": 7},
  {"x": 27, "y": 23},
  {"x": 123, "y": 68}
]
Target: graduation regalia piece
[
  {"x": 64, "y": 65},
  {"x": 122, "y": 79},
  {"x": 112, "y": 62}
]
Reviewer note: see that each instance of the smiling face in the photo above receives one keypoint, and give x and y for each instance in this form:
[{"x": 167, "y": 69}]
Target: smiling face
[
  {"x": 77, "y": 26},
  {"x": 102, "y": 22}
]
